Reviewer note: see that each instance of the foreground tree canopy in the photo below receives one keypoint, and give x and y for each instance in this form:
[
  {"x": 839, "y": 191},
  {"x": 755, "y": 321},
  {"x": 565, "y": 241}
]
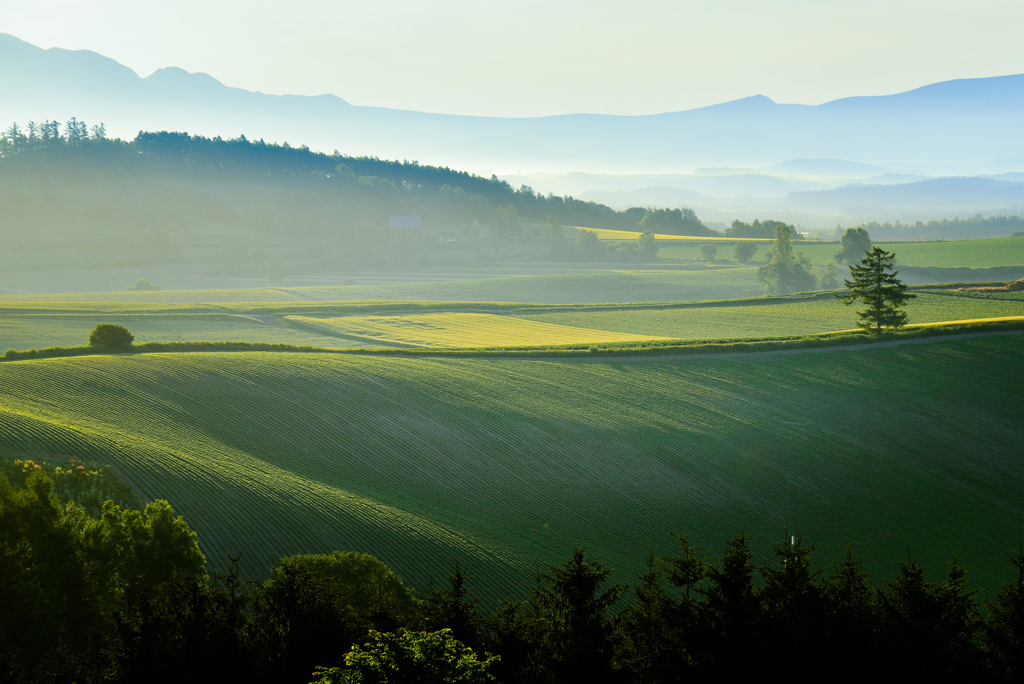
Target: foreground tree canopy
[{"x": 125, "y": 597}]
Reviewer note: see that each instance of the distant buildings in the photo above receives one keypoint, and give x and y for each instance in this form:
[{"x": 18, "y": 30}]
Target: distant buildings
[{"x": 405, "y": 227}]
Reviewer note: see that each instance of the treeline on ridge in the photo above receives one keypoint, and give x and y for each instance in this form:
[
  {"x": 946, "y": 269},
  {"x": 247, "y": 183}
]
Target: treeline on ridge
[
  {"x": 125, "y": 596},
  {"x": 947, "y": 229},
  {"x": 252, "y": 184}
]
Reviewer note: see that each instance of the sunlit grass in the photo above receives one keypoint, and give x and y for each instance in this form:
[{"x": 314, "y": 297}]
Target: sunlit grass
[{"x": 465, "y": 330}]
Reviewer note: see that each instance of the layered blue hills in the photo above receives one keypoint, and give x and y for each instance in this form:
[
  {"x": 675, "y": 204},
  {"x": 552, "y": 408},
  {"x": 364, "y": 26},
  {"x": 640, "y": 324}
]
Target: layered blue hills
[{"x": 968, "y": 125}]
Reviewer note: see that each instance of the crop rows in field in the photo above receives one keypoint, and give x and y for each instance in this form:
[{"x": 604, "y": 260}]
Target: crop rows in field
[
  {"x": 510, "y": 463},
  {"x": 777, "y": 317},
  {"x": 463, "y": 330},
  {"x": 188, "y": 452}
]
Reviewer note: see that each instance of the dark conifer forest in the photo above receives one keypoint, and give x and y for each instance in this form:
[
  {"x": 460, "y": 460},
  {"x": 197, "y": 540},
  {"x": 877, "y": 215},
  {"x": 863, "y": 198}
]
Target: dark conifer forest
[{"x": 122, "y": 594}]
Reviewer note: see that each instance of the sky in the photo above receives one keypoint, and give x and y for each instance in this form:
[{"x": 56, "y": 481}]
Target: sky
[{"x": 544, "y": 57}]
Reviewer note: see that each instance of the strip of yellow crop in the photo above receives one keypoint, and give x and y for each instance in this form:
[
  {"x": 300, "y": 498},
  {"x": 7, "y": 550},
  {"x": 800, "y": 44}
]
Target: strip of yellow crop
[
  {"x": 608, "y": 234},
  {"x": 465, "y": 330}
]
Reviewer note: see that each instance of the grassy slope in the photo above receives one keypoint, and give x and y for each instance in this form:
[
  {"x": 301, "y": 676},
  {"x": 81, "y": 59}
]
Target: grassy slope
[{"x": 506, "y": 463}]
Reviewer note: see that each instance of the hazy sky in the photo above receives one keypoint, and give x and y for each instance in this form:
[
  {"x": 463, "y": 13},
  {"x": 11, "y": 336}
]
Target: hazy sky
[{"x": 531, "y": 58}]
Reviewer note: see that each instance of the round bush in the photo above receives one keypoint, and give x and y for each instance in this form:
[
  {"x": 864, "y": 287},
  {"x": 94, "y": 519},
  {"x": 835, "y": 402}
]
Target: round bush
[
  {"x": 143, "y": 285},
  {"x": 111, "y": 335}
]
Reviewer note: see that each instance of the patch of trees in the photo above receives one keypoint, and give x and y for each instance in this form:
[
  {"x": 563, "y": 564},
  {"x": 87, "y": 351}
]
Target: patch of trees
[
  {"x": 758, "y": 229},
  {"x": 744, "y": 252},
  {"x": 590, "y": 248},
  {"x": 125, "y": 596},
  {"x": 786, "y": 271},
  {"x": 675, "y": 222},
  {"x": 946, "y": 229}
]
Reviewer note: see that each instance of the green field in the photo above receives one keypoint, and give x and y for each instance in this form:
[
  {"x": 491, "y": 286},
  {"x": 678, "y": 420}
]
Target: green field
[
  {"x": 987, "y": 253},
  {"x": 547, "y": 286},
  {"x": 508, "y": 464},
  {"x": 776, "y": 317},
  {"x": 37, "y": 331},
  {"x": 341, "y": 325}
]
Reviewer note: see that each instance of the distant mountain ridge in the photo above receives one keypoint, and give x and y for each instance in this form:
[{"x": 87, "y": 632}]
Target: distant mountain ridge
[{"x": 968, "y": 125}]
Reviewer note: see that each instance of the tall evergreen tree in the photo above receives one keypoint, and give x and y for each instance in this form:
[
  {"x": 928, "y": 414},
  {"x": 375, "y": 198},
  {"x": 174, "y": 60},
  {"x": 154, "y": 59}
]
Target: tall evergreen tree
[
  {"x": 576, "y": 606},
  {"x": 884, "y": 295},
  {"x": 453, "y": 609},
  {"x": 851, "y": 615},
  {"x": 733, "y": 614},
  {"x": 650, "y": 650},
  {"x": 792, "y": 600},
  {"x": 1005, "y": 630}
]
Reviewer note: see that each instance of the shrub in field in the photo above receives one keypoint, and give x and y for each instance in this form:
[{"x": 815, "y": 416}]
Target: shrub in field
[
  {"x": 143, "y": 285},
  {"x": 829, "y": 278},
  {"x": 785, "y": 271},
  {"x": 647, "y": 246},
  {"x": 743, "y": 252},
  {"x": 111, "y": 335},
  {"x": 855, "y": 243}
]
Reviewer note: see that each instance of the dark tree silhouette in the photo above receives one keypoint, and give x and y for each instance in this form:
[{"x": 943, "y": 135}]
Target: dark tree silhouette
[{"x": 884, "y": 295}]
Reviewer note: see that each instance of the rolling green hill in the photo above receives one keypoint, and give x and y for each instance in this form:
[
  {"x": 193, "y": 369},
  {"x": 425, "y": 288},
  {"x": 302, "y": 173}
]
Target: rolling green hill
[{"x": 507, "y": 464}]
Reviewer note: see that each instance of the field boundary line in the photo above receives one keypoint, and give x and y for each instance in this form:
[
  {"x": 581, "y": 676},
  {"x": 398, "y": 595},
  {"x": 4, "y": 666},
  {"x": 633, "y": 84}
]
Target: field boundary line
[{"x": 776, "y": 352}]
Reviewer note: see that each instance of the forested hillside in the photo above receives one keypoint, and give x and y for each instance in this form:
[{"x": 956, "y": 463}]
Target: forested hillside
[{"x": 173, "y": 180}]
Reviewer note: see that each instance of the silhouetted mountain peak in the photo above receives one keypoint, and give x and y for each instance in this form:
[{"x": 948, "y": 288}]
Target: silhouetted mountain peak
[
  {"x": 961, "y": 124},
  {"x": 175, "y": 77}
]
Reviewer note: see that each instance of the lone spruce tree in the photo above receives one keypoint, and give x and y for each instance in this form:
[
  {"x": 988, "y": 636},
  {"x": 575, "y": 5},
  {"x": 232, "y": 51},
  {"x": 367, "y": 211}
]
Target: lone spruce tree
[{"x": 883, "y": 294}]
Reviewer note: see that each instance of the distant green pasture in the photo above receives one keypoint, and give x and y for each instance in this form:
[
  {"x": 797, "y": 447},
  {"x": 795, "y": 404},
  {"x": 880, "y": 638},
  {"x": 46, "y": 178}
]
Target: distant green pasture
[
  {"x": 619, "y": 286},
  {"x": 290, "y": 322},
  {"x": 776, "y": 317},
  {"x": 40, "y": 331},
  {"x": 986, "y": 253}
]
